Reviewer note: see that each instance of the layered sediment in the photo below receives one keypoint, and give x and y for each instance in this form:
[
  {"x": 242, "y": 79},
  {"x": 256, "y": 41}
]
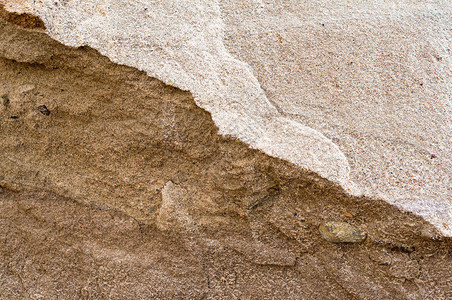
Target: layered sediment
[
  {"x": 124, "y": 187},
  {"x": 352, "y": 91}
]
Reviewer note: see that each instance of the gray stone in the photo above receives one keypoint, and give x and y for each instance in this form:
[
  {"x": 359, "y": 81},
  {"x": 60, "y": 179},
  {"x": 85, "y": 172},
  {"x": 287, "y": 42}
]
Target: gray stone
[
  {"x": 341, "y": 232},
  {"x": 4, "y": 100}
]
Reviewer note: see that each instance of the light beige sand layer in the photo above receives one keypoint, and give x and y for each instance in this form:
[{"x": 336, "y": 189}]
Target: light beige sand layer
[{"x": 374, "y": 79}]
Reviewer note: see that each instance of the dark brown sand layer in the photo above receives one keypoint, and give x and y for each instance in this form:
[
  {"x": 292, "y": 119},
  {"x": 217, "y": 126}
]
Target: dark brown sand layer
[{"x": 56, "y": 248}]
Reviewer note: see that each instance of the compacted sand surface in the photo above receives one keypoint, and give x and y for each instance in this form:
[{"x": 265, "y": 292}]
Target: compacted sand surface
[
  {"x": 116, "y": 185},
  {"x": 55, "y": 248}
]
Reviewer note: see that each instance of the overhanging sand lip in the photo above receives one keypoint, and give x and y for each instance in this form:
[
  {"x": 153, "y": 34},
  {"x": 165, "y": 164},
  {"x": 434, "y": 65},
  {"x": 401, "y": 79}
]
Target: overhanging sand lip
[{"x": 181, "y": 43}]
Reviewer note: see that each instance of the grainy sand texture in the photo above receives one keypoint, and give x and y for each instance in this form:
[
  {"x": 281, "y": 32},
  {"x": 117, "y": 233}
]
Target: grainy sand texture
[{"x": 117, "y": 185}]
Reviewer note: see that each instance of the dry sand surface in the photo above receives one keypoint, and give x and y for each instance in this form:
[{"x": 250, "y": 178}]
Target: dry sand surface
[
  {"x": 114, "y": 184},
  {"x": 55, "y": 248}
]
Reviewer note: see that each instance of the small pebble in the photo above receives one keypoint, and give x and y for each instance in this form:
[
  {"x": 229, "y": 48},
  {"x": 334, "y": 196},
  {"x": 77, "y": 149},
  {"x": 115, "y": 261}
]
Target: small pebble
[
  {"x": 341, "y": 232},
  {"x": 402, "y": 247},
  {"x": 44, "y": 110},
  {"x": 4, "y": 100},
  {"x": 348, "y": 215}
]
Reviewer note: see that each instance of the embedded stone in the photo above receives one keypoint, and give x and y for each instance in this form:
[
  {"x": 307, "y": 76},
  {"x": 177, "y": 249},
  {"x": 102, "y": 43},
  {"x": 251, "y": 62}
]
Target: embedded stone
[{"x": 341, "y": 232}]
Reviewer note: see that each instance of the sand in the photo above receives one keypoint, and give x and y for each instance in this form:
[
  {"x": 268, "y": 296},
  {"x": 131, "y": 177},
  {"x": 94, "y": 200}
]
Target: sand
[
  {"x": 123, "y": 187},
  {"x": 356, "y": 92}
]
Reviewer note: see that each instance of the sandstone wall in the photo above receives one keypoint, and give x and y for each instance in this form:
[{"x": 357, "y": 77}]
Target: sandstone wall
[{"x": 114, "y": 184}]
